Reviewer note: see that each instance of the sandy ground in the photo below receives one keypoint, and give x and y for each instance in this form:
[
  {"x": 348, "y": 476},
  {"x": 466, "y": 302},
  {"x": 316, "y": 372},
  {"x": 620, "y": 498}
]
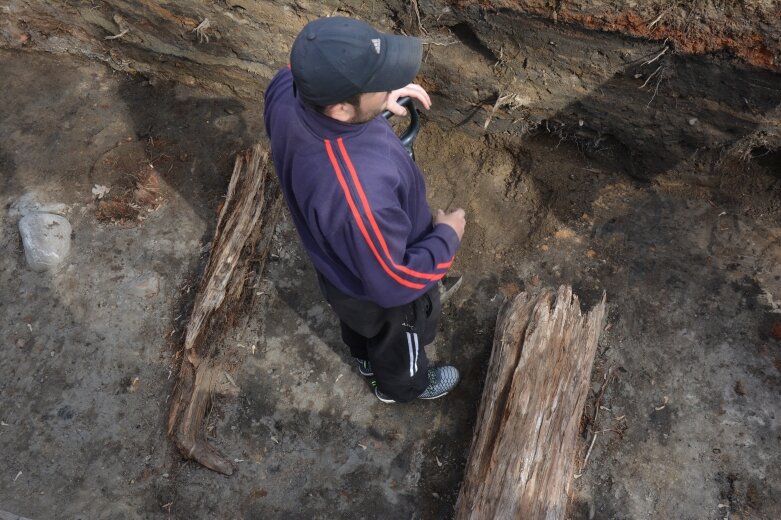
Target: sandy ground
[{"x": 689, "y": 364}]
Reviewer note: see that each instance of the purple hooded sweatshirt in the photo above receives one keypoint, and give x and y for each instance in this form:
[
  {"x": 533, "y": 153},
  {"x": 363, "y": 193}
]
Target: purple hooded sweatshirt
[{"x": 357, "y": 200}]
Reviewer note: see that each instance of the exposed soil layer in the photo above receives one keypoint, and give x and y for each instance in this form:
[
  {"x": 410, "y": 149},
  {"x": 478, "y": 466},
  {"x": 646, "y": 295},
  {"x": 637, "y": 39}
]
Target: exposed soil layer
[
  {"x": 660, "y": 80},
  {"x": 748, "y": 29},
  {"x": 582, "y": 177}
]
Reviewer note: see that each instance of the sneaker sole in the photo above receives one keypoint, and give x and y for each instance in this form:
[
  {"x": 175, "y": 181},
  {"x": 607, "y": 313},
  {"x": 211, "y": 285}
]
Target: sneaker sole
[
  {"x": 383, "y": 399},
  {"x": 391, "y": 401},
  {"x": 435, "y": 397},
  {"x": 363, "y": 372}
]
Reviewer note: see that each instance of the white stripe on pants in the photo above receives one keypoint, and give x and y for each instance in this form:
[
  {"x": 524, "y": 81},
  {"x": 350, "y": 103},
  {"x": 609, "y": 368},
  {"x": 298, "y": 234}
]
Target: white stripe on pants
[{"x": 412, "y": 338}]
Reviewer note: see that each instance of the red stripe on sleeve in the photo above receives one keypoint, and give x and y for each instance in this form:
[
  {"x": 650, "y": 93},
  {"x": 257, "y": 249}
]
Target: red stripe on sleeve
[
  {"x": 359, "y": 220},
  {"x": 445, "y": 265},
  {"x": 375, "y": 227}
]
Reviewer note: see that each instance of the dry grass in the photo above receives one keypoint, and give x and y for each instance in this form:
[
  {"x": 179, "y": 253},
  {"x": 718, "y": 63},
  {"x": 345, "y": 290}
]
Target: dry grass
[
  {"x": 746, "y": 149},
  {"x": 142, "y": 196}
]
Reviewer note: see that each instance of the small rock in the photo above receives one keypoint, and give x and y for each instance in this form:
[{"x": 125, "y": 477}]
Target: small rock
[
  {"x": 693, "y": 121},
  {"x": 591, "y": 253},
  {"x": 28, "y": 203},
  {"x": 46, "y": 238},
  {"x": 564, "y": 234},
  {"x": 135, "y": 382},
  {"x": 144, "y": 286}
]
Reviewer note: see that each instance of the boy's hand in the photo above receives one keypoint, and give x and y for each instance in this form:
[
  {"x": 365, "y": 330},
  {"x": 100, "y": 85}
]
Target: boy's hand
[
  {"x": 455, "y": 219},
  {"x": 412, "y": 90}
]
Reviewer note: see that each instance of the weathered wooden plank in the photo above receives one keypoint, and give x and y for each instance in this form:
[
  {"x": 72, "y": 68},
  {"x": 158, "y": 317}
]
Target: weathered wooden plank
[
  {"x": 525, "y": 441},
  {"x": 251, "y": 208}
]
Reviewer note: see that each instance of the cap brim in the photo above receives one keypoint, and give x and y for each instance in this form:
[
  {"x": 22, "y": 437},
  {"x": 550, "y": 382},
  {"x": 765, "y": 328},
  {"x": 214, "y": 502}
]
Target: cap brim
[{"x": 403, "y": 55}]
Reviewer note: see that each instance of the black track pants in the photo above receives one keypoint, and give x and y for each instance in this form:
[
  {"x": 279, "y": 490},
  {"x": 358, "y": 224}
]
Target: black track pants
[{"x": 391, "y": 339}]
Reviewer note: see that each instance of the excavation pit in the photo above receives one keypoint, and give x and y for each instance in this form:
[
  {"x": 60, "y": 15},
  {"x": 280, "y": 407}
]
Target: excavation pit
[{"x": 672, "y": 209}]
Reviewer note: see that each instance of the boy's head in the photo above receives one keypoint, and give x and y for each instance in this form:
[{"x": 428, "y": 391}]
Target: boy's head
[{"x": 336, "y": 59}]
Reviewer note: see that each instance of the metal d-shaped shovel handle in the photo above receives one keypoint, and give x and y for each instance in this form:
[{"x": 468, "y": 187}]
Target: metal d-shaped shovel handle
[{"x": 408, "y": 136}]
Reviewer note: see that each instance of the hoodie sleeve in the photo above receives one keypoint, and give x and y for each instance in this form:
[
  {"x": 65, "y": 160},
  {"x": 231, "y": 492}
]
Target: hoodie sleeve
[{"x": 393, "y": 272}]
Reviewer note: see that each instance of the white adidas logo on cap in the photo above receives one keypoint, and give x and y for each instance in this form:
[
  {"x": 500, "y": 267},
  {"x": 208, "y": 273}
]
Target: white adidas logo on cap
[{"x": 376, "y": 42}]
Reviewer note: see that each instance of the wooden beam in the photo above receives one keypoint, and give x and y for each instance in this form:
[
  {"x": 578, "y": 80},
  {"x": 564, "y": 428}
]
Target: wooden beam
[
  {"x": 525, "y": 442},
  {"x": 241, "y": 244}
]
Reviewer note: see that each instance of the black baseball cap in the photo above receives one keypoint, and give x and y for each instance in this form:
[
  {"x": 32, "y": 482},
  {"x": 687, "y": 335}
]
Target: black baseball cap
[{"x": 336, "y": 58}]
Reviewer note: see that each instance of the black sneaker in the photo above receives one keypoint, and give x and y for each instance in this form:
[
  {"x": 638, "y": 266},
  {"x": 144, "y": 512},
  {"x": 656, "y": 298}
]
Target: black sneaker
[
  {"x": 382, "y": 397},
  {"x": 441, "y": 380},
  {"x": 364, "y": 367}
]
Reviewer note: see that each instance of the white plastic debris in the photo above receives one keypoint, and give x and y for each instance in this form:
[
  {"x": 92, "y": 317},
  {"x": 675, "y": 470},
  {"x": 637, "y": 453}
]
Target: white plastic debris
[
  {"x": 46, "y": 238},
  {"x": 100, "y": 191}
]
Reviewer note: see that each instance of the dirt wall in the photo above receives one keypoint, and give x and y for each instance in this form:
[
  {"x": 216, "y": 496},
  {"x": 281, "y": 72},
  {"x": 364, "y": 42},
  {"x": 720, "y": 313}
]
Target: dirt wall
[
  {"x": 750, "y": 30},
  {"x": 649, "y": 85}
]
